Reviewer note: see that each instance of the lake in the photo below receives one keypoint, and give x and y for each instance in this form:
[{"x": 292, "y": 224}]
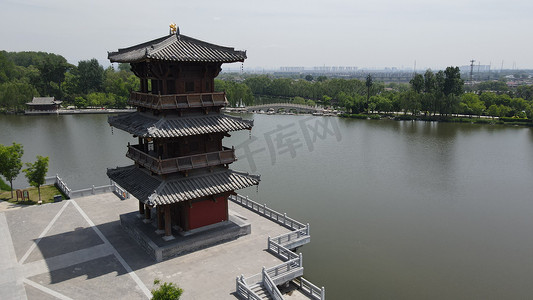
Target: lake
[{"x": 398, "y": 209}]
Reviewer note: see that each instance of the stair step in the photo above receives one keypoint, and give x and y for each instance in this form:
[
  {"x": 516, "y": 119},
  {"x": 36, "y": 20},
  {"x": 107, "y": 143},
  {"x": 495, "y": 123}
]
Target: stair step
[{"x": 260, "y": 291}]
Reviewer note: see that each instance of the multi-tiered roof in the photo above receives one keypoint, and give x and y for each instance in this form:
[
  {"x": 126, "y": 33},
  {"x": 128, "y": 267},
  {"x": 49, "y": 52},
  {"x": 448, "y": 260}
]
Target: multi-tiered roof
[{"x": 180, "y": 127}]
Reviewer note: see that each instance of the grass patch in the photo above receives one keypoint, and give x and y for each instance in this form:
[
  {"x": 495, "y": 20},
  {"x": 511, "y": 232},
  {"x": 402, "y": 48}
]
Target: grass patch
[{"x": 47, "y": 195}]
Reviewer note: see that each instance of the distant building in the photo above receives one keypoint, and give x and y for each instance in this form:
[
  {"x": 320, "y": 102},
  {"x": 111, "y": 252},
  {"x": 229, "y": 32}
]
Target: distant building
[{"x": 44, "y": 104}]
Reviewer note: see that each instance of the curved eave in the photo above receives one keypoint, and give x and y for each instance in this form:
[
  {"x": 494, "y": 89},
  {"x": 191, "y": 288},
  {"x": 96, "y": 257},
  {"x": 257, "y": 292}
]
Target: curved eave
[
  {"x": 177, "y": 48},
  {"x": 146, "y": 126},
  {"x": 155, "y": 191}
]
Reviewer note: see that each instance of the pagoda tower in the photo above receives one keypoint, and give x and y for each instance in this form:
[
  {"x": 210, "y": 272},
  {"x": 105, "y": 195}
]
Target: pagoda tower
[{"x": 180, "y": 166}]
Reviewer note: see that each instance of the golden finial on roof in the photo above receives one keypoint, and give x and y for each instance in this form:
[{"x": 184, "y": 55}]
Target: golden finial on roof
[{"x": 173, "y": 28}]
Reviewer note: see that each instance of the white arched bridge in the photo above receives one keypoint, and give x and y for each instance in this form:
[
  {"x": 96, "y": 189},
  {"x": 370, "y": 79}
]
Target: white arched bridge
[{"x": 277, "y": 107}]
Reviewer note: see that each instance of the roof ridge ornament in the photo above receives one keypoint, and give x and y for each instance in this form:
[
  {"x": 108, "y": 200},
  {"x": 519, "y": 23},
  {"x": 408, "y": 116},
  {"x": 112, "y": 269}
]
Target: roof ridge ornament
[{"x": 174, "y": 29}]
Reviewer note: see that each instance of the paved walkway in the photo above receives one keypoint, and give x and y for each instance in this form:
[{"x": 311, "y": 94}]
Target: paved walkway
[
  {"x": 4, "y": 205},
  {"x": 76, "y": 249}
]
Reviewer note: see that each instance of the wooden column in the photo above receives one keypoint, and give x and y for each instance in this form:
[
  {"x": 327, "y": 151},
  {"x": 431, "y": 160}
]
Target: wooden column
[
  {"x": 141, "y": 208},
  {"x": 164, "y": 86},
  {"x": 147, "y": 214},
  {"x": 160, "y": 221},
  {"x": 168, "y": 224}
]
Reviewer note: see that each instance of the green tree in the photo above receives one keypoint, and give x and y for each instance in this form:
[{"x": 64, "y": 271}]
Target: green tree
[
  {"x": 298, "y": 100},
  {"x": 368, "y": 83},
  {"x": 518, "y": 106},
  {"x": 166, "y": 291},
  {"x": 237, "y": 93},
  {"x": 36, "y": 173},
  {"x": 504, "y": 111},
  {"x": 430, "y": 84},
  {"x": 124, "y": 67},
  {"x": 383, "y": 104},
  {"x": 52, "y": 70},
  {"x": 91, "y": 76},
  {"x": 453, "y": 84},
  {"x": 410, "y": 102},
  {"x": 260, "y": 85},
  {"x": 326, "y": 100},
  {"x": 488, "y": 98},
  {"x": 7, "y": 68},
  {"x": 525, "y": 92},
  {"x": 495, "y": 85},
  {"x": 80, "y": 102},
  {"x": 70, "y": 86},
  {"x": 417, "y": 83},
  {"x": 15, "y": 95},
  {"x": 471, "y": 104},
  {"x": 529, "y": 111},
  {"x": 11, "y": 162},
  {"x": 493, "y": 111}
]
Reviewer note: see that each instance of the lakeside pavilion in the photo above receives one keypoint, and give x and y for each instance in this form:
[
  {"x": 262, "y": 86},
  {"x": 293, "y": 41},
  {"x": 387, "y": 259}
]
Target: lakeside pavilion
[
  {"x": 180, "y": 166},
  {"x": 46, "y": 104}
]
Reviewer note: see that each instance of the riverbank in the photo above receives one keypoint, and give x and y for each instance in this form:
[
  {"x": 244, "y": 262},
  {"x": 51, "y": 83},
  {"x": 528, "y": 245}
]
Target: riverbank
[
  {"x": 79, "y": 111},
  {"x": 446, "y": 119}
]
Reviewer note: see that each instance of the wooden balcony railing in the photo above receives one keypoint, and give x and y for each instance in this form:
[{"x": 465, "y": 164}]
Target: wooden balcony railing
[
  {"x": 182, "y": 163},
  {"x": 177, "y": 100}
]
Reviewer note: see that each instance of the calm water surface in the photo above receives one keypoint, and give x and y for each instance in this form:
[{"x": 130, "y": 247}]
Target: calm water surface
[{"x": 398, "y": 210}]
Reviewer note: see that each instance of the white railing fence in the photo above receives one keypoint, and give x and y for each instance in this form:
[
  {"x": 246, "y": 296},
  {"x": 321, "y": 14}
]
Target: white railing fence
[
  {"x": 291, "y": 268},
  {"x": 270, "y": 286},
  {"x": 94, "y": 190},
  {"x": 267, "y": 212},
  {"x": 310, "y": 289},
  {"x": 279, "y": 250},
  {"x": 244, "y": 291},
  {"x": 285, "y": 268}
]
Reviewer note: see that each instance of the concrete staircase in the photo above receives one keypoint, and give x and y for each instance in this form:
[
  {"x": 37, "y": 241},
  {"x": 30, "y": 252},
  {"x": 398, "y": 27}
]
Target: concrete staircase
[{"x": 261, "y": 291}]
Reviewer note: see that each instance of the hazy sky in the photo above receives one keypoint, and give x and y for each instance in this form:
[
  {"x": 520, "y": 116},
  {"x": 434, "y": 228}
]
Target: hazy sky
[{"x": 376, "y": 33}]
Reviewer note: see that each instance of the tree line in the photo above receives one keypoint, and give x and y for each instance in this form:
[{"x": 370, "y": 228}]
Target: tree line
[
  {"x": 443, "y": 92},
  {"x": 24, "y": 75}
]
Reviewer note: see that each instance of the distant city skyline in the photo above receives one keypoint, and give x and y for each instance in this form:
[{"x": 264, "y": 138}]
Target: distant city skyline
[{"x": 376, "y": 34}]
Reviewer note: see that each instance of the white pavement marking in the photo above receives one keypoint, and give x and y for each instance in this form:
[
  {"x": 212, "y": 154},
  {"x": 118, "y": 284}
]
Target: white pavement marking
[
  {"x": 66, "y": 260},
  {"x": 45, "y": 231},
  {"x": 11, "y": 286},
  {"x": 115, "y": 252},
  {"x": 47, "y": 290}
]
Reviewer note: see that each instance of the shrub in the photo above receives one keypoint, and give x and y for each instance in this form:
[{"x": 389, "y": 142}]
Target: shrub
[
  {"x": 515, "y": 120},
  {"x": 166, "y": 291}
]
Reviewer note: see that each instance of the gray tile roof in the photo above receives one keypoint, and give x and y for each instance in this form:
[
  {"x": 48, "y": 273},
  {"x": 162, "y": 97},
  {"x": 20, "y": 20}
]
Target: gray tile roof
[
  {"x": 146, "y": 125},
  {"x": 155, "y": 191},
  {"x": 43, "y": 101},
  {"x": 177, "y": 47}
]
